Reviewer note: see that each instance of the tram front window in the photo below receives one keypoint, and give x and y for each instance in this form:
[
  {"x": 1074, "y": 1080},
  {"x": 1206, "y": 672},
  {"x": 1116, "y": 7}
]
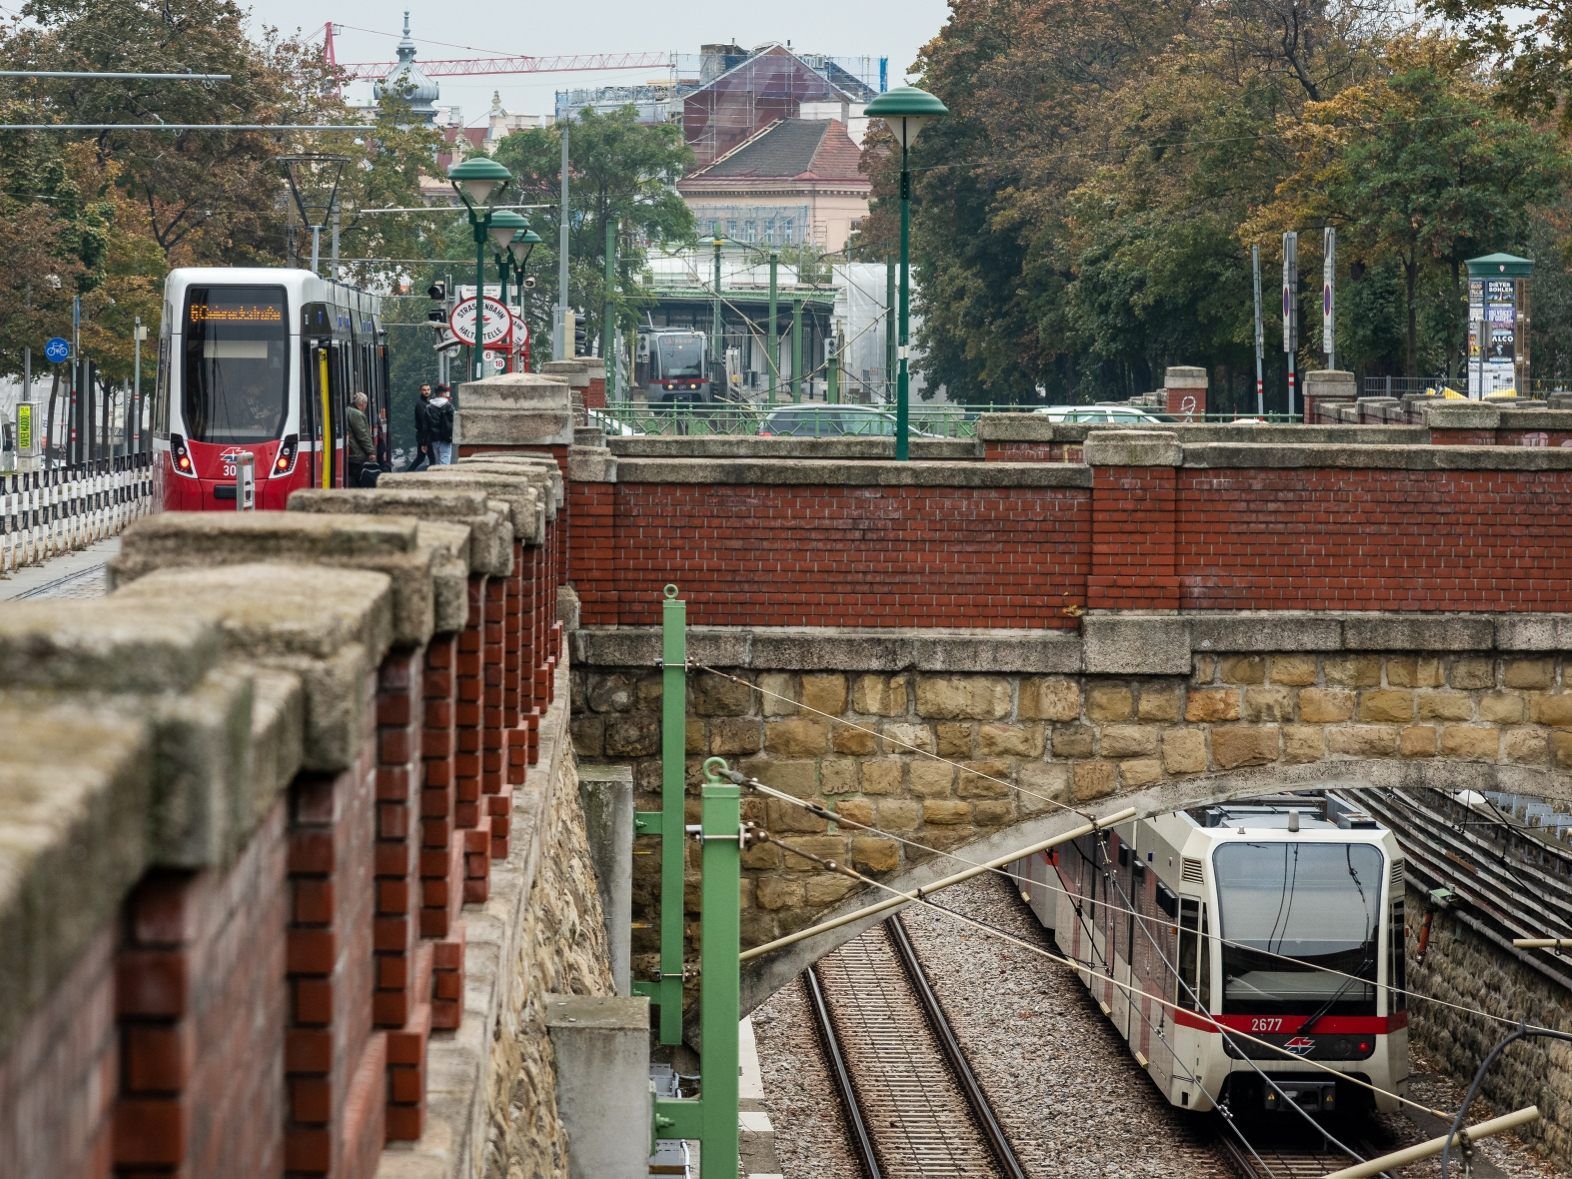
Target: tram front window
[
  {"x": 1317, "y": 903},
  {"x": 234, "y": 364},
  {"x": 680, "y": 357}
]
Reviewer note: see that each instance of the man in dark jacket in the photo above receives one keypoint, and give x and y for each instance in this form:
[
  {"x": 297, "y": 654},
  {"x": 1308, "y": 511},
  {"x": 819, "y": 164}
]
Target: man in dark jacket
[
  {"x": 362, "y": 452},
  {"x": 422, "y": 457}
]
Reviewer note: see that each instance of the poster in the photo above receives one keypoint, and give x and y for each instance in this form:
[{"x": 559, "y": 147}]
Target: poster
[{"x": 1492, "y": 335}]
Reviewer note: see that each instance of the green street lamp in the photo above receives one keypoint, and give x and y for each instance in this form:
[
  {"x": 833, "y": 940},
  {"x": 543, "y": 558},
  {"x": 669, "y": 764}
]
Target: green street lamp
[
  {"x": 905, "y": 111},
  {"x": 476, "y": 181},
  {"x": 505, "y": 226}
]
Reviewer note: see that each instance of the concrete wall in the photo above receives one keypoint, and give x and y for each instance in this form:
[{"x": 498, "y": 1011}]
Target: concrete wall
[{"x": 292, "y": 846}]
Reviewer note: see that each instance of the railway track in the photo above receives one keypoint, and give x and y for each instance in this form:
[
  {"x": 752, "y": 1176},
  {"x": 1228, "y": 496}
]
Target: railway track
[
  {"x": 913, "y": 1106},
  {"x": 1288, "y": 1159}
]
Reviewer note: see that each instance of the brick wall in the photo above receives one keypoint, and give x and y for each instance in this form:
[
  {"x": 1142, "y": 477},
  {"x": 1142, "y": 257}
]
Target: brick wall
[
  {"x": 786, "y": 555},
  {"x": 1374, "y": 539}
]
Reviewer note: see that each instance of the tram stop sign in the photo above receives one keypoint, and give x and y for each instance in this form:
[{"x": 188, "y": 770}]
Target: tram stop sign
[{"x": 57, "y": 350}]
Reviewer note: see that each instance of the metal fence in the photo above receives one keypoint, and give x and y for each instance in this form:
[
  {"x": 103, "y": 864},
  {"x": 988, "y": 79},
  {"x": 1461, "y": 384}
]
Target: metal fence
[
  {"x": 45, "y": 513},
  {"x": 936, "y": 421}
]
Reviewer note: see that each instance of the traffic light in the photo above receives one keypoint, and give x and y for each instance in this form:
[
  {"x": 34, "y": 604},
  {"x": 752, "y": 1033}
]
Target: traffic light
[
  {"x": 437, "y": 292},
  {"x": 580, "y": 334}
]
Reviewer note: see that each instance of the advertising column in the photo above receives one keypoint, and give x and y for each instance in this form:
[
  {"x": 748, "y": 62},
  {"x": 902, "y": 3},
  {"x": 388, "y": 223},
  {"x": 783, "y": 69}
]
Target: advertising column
[{"x": 1498, "y": 325}]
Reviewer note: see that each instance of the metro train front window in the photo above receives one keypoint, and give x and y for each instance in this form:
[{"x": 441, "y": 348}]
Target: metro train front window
[
  {"x": 680, "y": 356},
  {"x": 234, "y": 364},
  {"x": 1319, "y": 903}
]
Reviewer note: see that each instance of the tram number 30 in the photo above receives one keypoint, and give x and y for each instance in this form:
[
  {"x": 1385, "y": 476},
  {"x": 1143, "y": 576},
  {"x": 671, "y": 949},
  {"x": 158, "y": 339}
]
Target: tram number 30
[
  {"x": 1267, "y": 1024},
  {"x": 229, "y": 468}
]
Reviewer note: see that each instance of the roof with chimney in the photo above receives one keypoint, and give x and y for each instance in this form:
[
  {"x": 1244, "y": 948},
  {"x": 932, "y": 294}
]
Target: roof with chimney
[{"x": 791, "y": 149}]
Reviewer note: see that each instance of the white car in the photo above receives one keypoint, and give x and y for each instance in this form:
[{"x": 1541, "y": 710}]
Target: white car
[{"x": 1103, "y": 414}]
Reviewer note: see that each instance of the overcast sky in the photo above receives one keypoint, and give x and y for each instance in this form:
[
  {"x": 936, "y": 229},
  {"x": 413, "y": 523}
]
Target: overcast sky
[{"x": 871, "y": 28}]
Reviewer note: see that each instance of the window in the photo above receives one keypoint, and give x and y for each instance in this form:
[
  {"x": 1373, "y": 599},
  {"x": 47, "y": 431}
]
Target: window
[
  {"x": 234, "y": 364},
  {"x": 1189, "y": 943},
  {"x": 1317, "y": 903},
  {"x": 1397, "y": 975}
]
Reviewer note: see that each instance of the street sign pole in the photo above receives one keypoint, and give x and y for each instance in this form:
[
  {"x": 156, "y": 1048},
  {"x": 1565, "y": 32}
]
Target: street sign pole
[
  {"x": 1260, "y": 386},
  {"x": 1290, "y": 308},
  {"x": 1329, "y": 295}
]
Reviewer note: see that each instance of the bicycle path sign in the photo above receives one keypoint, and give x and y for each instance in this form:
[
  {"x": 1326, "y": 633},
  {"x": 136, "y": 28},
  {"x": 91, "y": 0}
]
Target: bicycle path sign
[{"x": 57, "y": 350}]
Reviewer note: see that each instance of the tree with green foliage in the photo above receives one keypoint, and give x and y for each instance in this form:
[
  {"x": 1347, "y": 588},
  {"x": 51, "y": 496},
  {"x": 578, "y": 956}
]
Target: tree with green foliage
[{"x": 1418, "y": 170}]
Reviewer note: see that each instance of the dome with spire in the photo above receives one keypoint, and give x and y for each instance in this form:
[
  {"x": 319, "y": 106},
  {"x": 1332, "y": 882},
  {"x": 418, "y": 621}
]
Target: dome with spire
[{"x": 408, "y": 81}]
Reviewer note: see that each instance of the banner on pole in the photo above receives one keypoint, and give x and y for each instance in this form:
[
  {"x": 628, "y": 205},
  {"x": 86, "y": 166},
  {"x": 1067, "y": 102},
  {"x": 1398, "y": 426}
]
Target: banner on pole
[{"x": 1329, "y": 291}]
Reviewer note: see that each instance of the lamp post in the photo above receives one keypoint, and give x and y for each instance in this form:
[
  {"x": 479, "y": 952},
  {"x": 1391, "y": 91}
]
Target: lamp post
[
  {"x": 905, "y": 111},
  {"x": 476, "y": 181},
  {"x": 505, "y": 220}
]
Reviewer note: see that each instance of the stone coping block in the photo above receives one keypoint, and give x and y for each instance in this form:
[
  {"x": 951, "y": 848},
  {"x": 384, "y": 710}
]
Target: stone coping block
[
  {"x": 1397, "y": 458},
  {"x": 521, "y": 504},
  {"x": 575, "y": 371},
  {"x": 515, "y": 409},
  {"x": 1134, "y": 448},
  {"x": 1016, "y": 427},
  {"x": 1519, "y": 417},
  {"x": 1134, "y": 645},
  {"x": 329, "y": 627},
  {"x": 541, "y": 470},
  {"x": 74, "y": 800},
  {"x": 490, "y": 545},
  {"x": 1330, "y": 382},
  {"x": 203, "y": 539},
  {"x": 104, "y": 645},
  {"x": 1184, "y": 376},
  {"x": 591, "y": 465},
  {"x": 751, "y": 446},
  {"x": 823, "y": 472},
  {"x": 1109, "y": 644},
  {"x": 1461, "y": 415}
]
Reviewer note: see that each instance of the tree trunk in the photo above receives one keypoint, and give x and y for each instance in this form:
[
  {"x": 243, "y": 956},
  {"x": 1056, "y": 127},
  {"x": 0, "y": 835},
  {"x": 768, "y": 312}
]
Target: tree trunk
[{"x": 52, "y": 441}]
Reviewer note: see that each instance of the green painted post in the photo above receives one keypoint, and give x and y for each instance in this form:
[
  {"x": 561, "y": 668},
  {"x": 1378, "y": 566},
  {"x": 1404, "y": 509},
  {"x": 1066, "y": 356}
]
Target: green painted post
[
  {"x": 712, "y": 1116},
  {"x": 798, "y": 391},
  {"x": 832, "y": 374},
  {"x": 608, "y": 335},
  {"x": 719, "y": 1003},
  {"x": 889, "y": 330},
  {"x": 775, "y": 334},
  {"x": 666, "y": 991},
  {"x": 717, "y": 337}
]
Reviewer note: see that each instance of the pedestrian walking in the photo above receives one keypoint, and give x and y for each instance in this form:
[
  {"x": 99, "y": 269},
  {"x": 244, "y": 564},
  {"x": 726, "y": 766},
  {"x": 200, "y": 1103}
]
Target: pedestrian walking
[
  {"x": 439, "y": 421},
  {"x": 422, "y": 457},
  {"x": 362, "y": 453}
]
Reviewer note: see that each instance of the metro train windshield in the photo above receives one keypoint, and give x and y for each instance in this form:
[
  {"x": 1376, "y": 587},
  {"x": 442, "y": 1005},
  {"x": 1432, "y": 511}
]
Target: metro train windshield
[
  {"x": 680, "y": 356},
  {"x": 234, "y": 363},
  {"x": 1316, "y": 902}
]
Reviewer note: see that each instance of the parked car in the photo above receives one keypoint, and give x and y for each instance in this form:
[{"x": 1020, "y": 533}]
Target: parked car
[
  {"x": 820, "y": 419},
  {"x": 1107, "y": 414}
]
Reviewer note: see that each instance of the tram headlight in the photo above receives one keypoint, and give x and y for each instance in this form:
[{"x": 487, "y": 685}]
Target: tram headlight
[
  {"x": 285, "y": 462},
  {"x": 180, "y": 457}
]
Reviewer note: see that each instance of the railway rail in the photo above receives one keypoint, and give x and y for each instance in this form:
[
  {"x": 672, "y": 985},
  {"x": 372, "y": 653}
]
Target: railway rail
[
  {"x": 1504, "y": 884},
  {"x": 913, "y": 1105},
  {"x": 1285, "y": 1162}
]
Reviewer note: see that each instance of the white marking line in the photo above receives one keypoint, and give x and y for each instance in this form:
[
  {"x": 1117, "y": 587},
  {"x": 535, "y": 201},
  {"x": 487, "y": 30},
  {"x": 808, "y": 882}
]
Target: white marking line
[{"x": 750, "y": 1083}]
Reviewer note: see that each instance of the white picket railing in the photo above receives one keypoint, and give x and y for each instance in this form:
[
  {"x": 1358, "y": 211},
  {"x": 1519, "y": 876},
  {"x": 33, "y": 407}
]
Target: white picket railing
[{"x": 45, "y": 513}]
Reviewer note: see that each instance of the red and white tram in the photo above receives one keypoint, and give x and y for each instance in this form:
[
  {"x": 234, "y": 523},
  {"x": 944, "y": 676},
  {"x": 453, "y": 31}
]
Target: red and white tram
[
  {"x": 1281, "y": 920},
  {"x": 262, "y": 361}
]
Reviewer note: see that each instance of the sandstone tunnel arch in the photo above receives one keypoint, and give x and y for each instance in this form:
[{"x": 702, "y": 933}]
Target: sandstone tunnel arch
[{"x": 763, "y": 976}]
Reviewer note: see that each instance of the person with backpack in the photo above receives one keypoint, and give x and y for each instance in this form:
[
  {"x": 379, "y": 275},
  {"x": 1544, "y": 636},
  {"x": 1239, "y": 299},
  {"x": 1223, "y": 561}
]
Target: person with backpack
[{"x": 439, "y": 421}]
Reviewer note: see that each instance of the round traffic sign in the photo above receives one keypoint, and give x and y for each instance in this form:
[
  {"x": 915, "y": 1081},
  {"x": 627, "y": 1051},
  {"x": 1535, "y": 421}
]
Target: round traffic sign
[
  {"x": 499, "y": 321},
  {"x": 57, "y": 350}
]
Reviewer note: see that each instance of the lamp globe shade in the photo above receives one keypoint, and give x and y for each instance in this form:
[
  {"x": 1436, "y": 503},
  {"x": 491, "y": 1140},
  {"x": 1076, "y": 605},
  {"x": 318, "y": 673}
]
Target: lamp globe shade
[
  {"x": 522, "y": 245},
  {"x": 502, "y": 225},
  {"x": 477, "y": 178},
  {"x": 905, "y": 111}
]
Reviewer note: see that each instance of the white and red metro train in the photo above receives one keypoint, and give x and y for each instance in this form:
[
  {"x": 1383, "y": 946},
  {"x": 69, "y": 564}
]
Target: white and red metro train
[
  {"x": 262, "y": 361},
  {"x": 1280, "y": 919}
]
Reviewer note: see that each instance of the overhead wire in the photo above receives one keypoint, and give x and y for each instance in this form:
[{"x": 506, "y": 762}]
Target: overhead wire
[
  {"x": 1129, "y": 988},
  {"x": 822, "y": 812}
]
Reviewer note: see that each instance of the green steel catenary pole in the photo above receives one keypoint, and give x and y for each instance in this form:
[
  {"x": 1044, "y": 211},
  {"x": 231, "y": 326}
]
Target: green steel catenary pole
[
  {"x": 480, "y": 296},
  {"x": 889, "y": 328},
  {"x": 717, "y": 352},
  {"x": 673, "y": 758},
  {"x": 608, "y": 337},
  {"x": 774, "y": 346},
  {"x": 903, "y": 388},
  {"x": 832, "y": 374},
  {"x": 798, "y": 392},
  {"x": 719, "y": 1008}
]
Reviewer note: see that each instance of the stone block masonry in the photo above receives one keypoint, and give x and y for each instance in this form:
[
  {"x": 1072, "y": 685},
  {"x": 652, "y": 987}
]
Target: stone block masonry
[
  {"x": 949, "y": 741},
  {"x": 233, "y": 859}
]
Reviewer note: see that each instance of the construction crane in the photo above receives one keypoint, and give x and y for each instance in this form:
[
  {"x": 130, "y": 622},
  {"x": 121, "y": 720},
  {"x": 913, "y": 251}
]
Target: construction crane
[{"x": 480, "y": 66}]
